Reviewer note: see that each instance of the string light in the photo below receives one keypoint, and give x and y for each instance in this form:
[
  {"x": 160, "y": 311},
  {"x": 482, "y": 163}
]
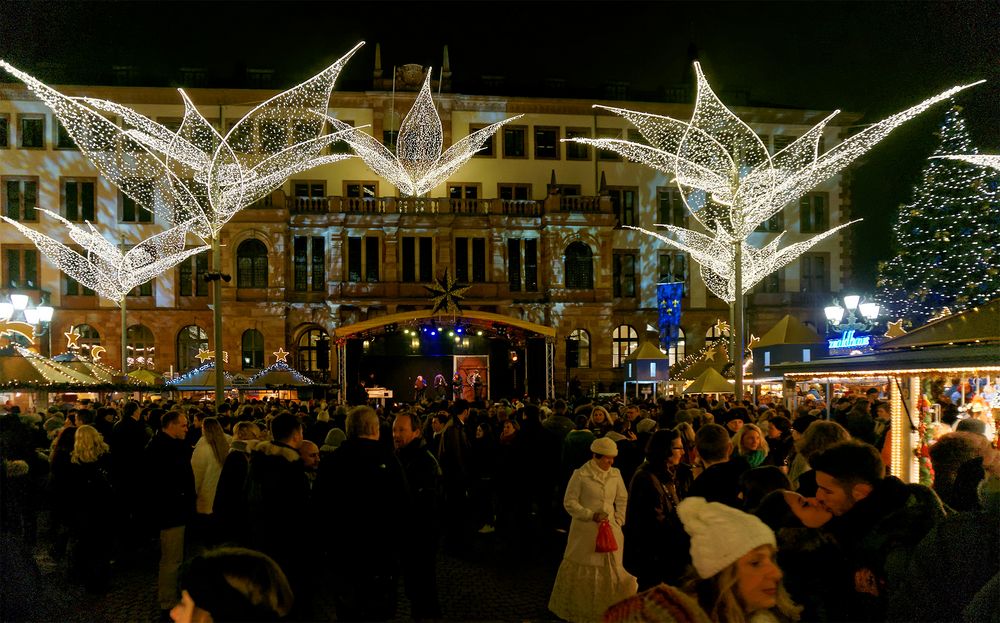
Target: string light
[
  {"x": 984, "y": 160},
  {"x": 195, "y": 176},
  {"x": 947, "y": 241},
  {"x": 106, "y": 269},
  {"x": 276, "y": 368},
  {"x": 418, "y": 164},
  {"x": 730, "y": 183}
]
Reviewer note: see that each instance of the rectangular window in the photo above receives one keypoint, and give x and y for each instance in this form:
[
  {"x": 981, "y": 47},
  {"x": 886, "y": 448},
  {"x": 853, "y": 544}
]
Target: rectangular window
[
  {"x": 339, "y": 147},
  {"x": 605, "y": 154},
  {"x": 21, "y": 269},
  {"x": 72, "y": 287},
  {"x": 32, "y": 131},
  {"x": 132, "y": 212},
  {"x": 772, "y": 284},
  {"x": 577, "y": 151},
  {"x": 814, "y": 273},
  {"x": 20, "y": 198},
  {"x": 814, "y": 215},
  {"x": 371, "y": 259},
  {"x": 625, "y": 264},
  {"x": 78, "y": 199},
  {"x": 145, "y": 289},
  {"x": 515, "y": 141},
  {"x": 531, "y": 265},
  {"x": 309, "y": 263},
  {"x": 318, "y": 265},
  {"x": 479, "y": 260},
  {"x": 63, "y": 139},
  {"x": 354, "y": 259},
  {"x": 462, "y": 260},
  {"x": 360, "y": 195},
  {"x": 489, "y": 147},
  {"x": 425, "y": 259},
  {"x": 623, "y": 203},
  {"x": 514, "y": 264},
  {"x": 673, "y": 267},
  {"x": 774, "y": 224},
  {"x": 670, "y": 208},
  {"x": 474, "y": 249},
  {"x": 408, "y": 259},
  {"x": 4, "y": 131},
  {"x": 300, "y": 263},
  {"x": 191, "y": 276},
  {"x": 309, "y": 195},
  {"x": 514, "y": 192},
  {"x": 464, "y": 198},
  {"x": 546, "y": 143}
]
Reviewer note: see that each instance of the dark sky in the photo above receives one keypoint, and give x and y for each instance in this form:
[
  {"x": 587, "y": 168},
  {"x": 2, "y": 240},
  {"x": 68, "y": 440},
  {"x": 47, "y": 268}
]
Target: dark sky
[{"x": 873, "y": 58}]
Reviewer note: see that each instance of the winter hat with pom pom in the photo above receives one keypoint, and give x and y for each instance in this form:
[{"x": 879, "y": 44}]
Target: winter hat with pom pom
[{"x": 720, "y": 534}]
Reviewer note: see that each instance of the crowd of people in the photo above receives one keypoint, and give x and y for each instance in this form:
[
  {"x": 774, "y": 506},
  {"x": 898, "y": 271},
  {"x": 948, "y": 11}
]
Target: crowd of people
[{"x": 682, "y": 509}]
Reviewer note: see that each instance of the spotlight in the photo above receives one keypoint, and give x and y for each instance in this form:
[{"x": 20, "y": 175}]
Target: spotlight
[
  {"x": 458, "y": 329},
  {"x": 479, "y": 333},
  {"x": 451, "y": 334}
]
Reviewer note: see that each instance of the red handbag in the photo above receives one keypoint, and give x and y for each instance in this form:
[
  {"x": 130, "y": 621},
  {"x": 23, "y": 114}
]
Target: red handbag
[{"x": 605, "y": 538}]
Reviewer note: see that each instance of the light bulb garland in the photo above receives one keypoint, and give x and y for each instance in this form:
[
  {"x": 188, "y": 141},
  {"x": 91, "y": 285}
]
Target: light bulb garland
[
  {"x": 280, "y": 366},
  {"x": 418, "y": 164},
  {"x": 730, "y": 183}
]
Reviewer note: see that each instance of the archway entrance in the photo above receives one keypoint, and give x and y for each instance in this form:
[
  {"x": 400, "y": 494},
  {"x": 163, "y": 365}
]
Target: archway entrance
[{"x": 414, "y": 355}]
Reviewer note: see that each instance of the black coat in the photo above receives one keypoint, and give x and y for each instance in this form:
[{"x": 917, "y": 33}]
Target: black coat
[
  {"x": 721, "y": 482},
  {"x": 230, "y": 505},
  {"x": 277, "y": 494},
  {"x": 170, "y": 495},
  {"x": 128, "y": 441},
  {"x": 656, "y": 545},
  {"x": 423, "y": 479}
]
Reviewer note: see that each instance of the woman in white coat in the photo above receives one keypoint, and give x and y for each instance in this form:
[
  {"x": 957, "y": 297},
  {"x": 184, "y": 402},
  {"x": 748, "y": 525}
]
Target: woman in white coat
[{"x": 589, "y": 581}]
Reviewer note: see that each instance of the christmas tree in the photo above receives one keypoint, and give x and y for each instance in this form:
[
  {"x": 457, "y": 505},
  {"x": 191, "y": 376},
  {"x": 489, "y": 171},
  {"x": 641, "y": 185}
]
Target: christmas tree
[{"x": 947, "y": 242}]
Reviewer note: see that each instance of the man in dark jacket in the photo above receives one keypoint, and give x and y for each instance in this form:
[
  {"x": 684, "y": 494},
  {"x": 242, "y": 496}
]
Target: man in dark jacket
[
  {"x": 878, "y": 521},
  {"x": 128, "y": 440},
  {"x": 171, "y": 499},
  {"x": 361, "y": 493},
  {"x": 423, "y": 476},
  {"x": 277, "y": 495},
  {"x": 454, "y": 456},
  {"x": 720, "y": 482}
]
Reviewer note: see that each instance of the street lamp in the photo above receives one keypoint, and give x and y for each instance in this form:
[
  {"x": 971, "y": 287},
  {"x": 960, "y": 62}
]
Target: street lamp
[
  {"x": 17, "y": 315},
  {"x": 859, "y": 316}
]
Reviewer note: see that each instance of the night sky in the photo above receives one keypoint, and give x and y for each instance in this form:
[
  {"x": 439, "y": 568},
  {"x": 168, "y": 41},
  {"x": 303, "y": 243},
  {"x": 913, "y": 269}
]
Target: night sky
[{"x": 873, "y": 58}]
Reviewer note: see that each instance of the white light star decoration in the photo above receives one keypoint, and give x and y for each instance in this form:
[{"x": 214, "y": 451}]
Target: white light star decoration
[
  {"x": 196, "y": 175},
  {"x": 730, "y": 184},
  {"x": 418, "y": 164},
  {"x": 105, "y": 268}
]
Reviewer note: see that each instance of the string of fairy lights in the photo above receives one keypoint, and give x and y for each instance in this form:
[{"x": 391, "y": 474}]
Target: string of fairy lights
[
  {"x": 947, "y": 241},
  {"x": 418, "y": 164},
  {"x": 730, "y": 183}
]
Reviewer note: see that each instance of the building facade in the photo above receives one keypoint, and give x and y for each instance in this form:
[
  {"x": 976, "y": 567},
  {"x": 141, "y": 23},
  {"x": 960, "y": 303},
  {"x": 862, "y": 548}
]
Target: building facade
[{"x": 531, "y": 224}]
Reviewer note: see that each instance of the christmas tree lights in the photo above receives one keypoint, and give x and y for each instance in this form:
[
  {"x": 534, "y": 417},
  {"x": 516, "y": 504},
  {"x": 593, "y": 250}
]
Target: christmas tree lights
[
  {"x": 984, "y": 160},
  {"x": 947, "y": 241},
  {"x": 418, "y": 164},
  {"x": 103, "y": 267}
]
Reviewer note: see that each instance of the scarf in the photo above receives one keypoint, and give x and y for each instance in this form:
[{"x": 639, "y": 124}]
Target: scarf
[{"x": 755, "y": 458}]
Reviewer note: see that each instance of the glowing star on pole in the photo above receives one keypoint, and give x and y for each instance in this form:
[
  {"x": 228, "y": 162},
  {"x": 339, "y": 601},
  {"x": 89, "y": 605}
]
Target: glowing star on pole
[
  {"x": 105, "y": 268},
  {"x": 71, "y": 337},
  {"x": 204, "y": 355},
  {"x": 418, "y": 164},
  {"x": 280, "y": 355}
]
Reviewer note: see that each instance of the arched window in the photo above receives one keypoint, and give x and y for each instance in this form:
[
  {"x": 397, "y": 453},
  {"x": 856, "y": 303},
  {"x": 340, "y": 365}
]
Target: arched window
[
  {"x": 624, "y": 340},
  {"x": 253, "y": 349},
  {"x": 578, "y": 341},
  {"x": 89, "y": 338},
  {"x": 191, "y": 340},
  {"x": 139, "y": 347},
  {"x": 579, "y": 266},
  {"x": 314, "y": 351},
  {"x": 251, "y": 264},
  {"x": 677, "y": 350},
  {"x": 715, "y": 331}
]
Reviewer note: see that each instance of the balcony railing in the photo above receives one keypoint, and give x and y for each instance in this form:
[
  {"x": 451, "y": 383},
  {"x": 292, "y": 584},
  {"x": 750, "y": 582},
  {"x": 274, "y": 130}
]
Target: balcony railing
[{"x": 419, "y": 205}]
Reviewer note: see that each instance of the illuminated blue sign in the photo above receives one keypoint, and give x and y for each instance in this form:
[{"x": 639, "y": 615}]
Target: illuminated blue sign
[{"x": 848, "y": 340}]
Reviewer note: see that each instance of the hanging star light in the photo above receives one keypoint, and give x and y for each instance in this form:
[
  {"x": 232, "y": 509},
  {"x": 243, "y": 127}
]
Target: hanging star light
[
  {"x": 196, "y": 174},
  {"x": 448, "y": 295},
  {"x": 418, "y": 164},
  {"x": 730, "y": 183},
  {"x": 71, "y": 337},
  {"x": 984, "y": 160},
  {"x": 204, "y": 355},
  {"x": 280, "y": 354},
  {"x": 105, "y": 268},
  {"x": 895, "y": 329},
  {"x": 752, "y": 342}
]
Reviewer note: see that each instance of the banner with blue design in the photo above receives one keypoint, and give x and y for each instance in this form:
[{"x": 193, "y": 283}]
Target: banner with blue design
[{"x": 668, "y": 301}]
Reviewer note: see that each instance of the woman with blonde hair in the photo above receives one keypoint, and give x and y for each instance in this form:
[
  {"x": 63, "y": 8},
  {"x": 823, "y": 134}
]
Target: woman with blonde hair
[
  {"x": 90, "y": 516},
  {"x": 207, "y": 460},
  {"x": 601, "y": 421},
  {"x": 734, "y": 579},
  {"x": 749, "y": 443}
]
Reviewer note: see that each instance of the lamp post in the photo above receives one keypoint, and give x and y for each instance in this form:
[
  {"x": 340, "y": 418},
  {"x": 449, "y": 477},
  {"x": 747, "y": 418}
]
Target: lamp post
[
  {"x": 853, "y": 315},
  {"x": 18, "y": 315}
]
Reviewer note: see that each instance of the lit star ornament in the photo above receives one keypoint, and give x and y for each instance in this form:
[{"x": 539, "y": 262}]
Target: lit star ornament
[
  {"x": 204, "y": 355},
  {"x": 447, "y": 295},
  {"x": 71, "y": 337},
  {"x": 895, "y": 329},
  {"x": 752, "y": 341},
  {"x": 280, "y": 355},
  {"x": 730, "y": 183},
  {"x": 418, "y": 164}
]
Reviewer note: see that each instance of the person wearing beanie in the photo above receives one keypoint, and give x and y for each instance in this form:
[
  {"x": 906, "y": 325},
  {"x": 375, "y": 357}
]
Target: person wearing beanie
[
  {"x": 589, "y": 581},
  {"x": 734, "y": 578}
]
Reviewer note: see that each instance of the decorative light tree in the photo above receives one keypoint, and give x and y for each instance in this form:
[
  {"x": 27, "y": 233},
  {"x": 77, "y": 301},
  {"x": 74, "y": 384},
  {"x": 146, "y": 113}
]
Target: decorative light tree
[
  {"x": 729, "y": 184},
  {"x": 196, "y": 176},
  {"x": 418, "y": 164},
  {"x": 947, "y": 242},
  {"x": 106, "y": 269}
]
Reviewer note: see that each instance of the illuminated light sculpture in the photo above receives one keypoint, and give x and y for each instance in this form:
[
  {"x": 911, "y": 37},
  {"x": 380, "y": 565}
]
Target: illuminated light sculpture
[
  {"x": 195, "y": 176},
  {"x": 730, "y": 184},
  {"x": 447, "y": 295},
  {"x": 418, "y": 164}
]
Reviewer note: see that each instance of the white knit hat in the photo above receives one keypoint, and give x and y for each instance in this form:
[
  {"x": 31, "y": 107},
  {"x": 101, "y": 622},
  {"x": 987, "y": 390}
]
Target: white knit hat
[
  {"x": 720, "y": 534},
  {"x": 604, "y": 447}
]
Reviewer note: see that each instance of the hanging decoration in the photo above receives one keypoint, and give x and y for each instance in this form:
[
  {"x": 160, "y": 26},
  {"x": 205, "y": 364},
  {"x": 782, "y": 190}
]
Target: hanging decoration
[
  {"x": 280, "y": 354},
  {"x": 895, "y": 329},
  {"x": 71, "y": 337},
  {"x": 668, "y": 297},
  {"x": 418, "y": 164},
  {"x": 448, "y": 295}
]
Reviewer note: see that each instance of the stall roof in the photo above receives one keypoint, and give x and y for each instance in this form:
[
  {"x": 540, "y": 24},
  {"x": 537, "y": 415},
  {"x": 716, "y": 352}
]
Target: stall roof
[
  {"x": 710, "y": 382},
  {"x": 981, "y": 357},
  {"x": 789, "y": 330},
  {"x": 647, "y": 350},
  {"x": 976, "y": 325}
]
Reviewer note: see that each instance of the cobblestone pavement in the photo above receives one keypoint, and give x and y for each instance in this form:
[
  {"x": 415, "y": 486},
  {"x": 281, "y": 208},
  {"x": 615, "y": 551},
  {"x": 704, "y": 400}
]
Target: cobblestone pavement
[{"x": 492, "y": 582}]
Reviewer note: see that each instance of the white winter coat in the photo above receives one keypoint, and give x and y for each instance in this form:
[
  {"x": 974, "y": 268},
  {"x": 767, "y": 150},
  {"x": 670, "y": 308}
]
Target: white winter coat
[
  {"x": 206, "y": 475},
  {"x": 591, "y": 490}
]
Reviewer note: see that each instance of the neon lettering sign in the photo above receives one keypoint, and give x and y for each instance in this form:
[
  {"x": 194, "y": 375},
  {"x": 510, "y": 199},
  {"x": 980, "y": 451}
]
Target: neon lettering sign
[{"x": 848, "y": 340}]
